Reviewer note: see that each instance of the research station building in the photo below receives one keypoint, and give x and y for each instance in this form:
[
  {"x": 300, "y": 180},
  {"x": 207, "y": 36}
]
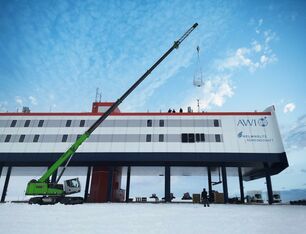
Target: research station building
[{"x": 248, "y": 141}]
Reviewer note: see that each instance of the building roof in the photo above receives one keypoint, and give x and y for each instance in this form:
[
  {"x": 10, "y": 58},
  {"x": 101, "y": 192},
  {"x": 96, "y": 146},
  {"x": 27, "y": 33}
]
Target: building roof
[{"x": 96, "y": 105}]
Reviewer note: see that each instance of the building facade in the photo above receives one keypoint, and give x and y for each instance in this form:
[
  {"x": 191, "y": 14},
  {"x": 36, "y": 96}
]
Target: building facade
[{"x": 250, "y": 141}]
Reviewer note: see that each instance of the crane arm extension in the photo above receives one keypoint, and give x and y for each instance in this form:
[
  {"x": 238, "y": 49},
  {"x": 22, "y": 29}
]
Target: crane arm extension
[
  {"x": 117, "y": 103},
  {"x": 70, "y": 152}
]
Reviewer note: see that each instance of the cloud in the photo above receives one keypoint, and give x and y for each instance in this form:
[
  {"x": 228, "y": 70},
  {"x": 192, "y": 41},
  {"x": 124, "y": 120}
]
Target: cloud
[
  {"x": 303, "y": 170},
  {"x": 257, "y": 29},
  {"x": 3, "y": 106},
  {"x": 256, "y": 46},
  {"x": 19, "y": 100},
  {"x": 289, "y": 107},
  {"x": 295, "y": 138},
  {"x": 215, "y": 92},
  {"x": 255, "y": 56},
  {"x": 33, "y": 100}
]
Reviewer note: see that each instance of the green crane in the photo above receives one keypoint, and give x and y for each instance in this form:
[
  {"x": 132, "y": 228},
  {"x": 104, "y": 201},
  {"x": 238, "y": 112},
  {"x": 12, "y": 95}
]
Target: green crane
[{"x": 51, "y": 193}]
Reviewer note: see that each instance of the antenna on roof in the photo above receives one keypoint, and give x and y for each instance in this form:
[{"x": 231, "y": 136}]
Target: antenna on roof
[
  {"x": 97, "y": 94},
  {"x": 198, "y": 76},
  {"x": 198, "y": 101}
]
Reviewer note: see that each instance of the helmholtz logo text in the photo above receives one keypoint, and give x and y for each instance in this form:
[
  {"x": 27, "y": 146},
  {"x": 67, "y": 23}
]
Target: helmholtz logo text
[
  {"x": 254, "y": 137},
  {"x": 261, "y": 122}
]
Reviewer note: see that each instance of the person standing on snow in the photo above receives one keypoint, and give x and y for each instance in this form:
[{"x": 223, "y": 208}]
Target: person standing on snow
[{"x": 204, "y": 198}]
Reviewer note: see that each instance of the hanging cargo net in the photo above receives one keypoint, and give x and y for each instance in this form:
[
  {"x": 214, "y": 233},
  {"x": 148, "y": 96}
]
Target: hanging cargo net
[{"x": 198, "y": 75}]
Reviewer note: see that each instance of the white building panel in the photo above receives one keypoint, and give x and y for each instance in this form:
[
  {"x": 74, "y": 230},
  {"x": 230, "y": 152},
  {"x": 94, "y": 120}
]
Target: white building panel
[
  {"x": 32, "y": 147},
  {"x": 91, "y": 147},
  {"x": 132, "y": 147},
  {"x": 6, "y": 147},
  {"x": 244, "y": 133}
]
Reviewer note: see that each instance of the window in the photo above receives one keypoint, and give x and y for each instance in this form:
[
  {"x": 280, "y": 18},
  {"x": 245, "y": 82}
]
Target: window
[
  {"x": 161, "y": 137},
  {"x": 64, "y": 138},
  {"x": 36, "y": 138},
  {"x": 7, "y": 138},
  {"x": 216, "y": 123},
  {"x": 191, "y": 138},
  {"x": 197, "y": 137},
  {"x": 68, "y": 123},
  {"x": 78, "y": 136},
  {"x": 202, "y": 137},
  {"x": 82, "y": 123},
  {"x": 184, "y": 138},
  {"x": 218, "y": 138},
  {"x": 161, "y": 123},
  {"x": 40, "y": 123},
  {"x": 148, "y": 138},
  {"x": 149, "y": 123},
  {"x": 27, "y": 123},
  {"x": 13, "y": 124},
  {"x": 21, "y": 138}
]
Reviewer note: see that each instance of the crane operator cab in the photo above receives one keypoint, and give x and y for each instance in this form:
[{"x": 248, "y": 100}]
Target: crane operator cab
[{"x": 72, "y": 186}]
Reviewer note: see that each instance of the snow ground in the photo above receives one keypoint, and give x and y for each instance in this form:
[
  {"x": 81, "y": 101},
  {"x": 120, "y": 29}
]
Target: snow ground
[{"x": 151, "y": 218}]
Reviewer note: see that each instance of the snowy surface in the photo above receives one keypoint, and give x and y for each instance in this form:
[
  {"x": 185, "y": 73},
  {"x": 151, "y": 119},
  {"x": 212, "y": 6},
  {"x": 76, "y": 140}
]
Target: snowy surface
[{"x": 151, "y": 218}]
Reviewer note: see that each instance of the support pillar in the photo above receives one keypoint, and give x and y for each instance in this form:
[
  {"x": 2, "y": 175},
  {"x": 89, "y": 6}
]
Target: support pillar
[
  {"x": 209, "y": 185},
  {"x": 87, "y": 184},
  {"x": 241, "y": 185},
  {"x": 110, "y": 184},
  {"x": 1, "y": 167},
  {"x": 167, "y": 184},
  {"x": 224, "y": 183},
  {"x": 127, "y": 190},
  {"x": 269, "y": 184},
  {"x": 7, "y": 179}
]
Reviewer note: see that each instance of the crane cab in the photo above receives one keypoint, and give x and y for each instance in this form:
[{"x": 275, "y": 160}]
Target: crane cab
[{"x": 72, "y": 186}]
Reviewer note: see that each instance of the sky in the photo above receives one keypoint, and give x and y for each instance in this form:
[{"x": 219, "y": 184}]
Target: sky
[{"x": 54, "y": 54}]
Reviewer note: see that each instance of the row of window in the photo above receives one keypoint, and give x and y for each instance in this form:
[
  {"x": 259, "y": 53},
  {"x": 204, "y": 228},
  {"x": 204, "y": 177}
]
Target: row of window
[
  {"x": 21, "y": 138},
  {"x": 150, "y": 123},
  {"x": 35, "y": 138},
  {"x": 198, "y": 137},
  {"x": 184, "y": 138},
  {"x": 41, "y": 123},
  {"x": 119, "y": 123},
  {"x": 216, "y": 123},
  {"x": 160, "y": 138},
  {"x": 27, "y": 123}
]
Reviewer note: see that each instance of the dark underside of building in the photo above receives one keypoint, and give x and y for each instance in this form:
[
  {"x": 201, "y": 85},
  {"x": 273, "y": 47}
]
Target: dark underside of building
[{"x": 105, "y": 169}]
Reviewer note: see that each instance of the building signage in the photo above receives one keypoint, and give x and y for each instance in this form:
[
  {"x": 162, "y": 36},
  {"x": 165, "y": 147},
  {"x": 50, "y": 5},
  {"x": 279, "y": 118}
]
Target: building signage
[
  {"x": 262, "y": 122},
  {"x": 254, "y": 137}
]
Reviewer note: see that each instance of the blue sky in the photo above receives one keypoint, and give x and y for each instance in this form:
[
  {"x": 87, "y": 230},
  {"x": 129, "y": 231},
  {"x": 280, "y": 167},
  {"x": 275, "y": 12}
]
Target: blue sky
[{"x": 54, "y": 54}]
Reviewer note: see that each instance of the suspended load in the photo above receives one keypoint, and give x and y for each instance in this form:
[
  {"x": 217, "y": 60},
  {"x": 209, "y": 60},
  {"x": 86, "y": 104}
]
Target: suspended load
[{"x": 198, "y": 75}]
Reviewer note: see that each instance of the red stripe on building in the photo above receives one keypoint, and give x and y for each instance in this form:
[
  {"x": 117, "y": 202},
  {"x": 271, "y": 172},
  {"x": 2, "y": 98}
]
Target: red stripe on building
[{"x": 134, "y": 114}]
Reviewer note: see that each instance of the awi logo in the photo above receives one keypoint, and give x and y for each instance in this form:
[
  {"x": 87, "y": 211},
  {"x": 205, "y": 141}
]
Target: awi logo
[{"x": 263, "y": 122}]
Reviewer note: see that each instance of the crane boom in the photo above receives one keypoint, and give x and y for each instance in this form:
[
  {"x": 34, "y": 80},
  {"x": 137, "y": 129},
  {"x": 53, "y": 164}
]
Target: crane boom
[
  {"x": 54, "y": 192},
  {"x": 70, "y": 152}
]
